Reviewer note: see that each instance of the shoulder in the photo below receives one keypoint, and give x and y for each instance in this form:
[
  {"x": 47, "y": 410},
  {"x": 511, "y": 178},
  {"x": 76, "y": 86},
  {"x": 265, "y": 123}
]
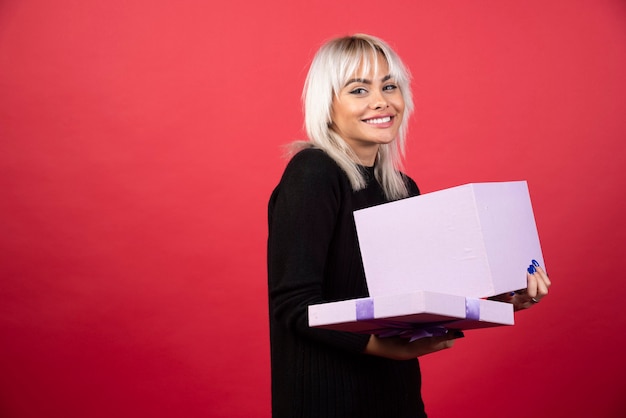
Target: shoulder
[
  {"x": 312, "y": 165},
  {"x": 311, "y": 180},
  {"x": 312, "y": 158}
]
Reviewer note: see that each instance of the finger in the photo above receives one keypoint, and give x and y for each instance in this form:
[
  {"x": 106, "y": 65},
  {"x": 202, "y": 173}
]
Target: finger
[
  {"x": 542, "y": 287},
  {"x": 531, "y": 281},
  {"x": 544, "y": 276},
  {"x": 541, "y": 272},
  {"x": 543, "y": 282}
]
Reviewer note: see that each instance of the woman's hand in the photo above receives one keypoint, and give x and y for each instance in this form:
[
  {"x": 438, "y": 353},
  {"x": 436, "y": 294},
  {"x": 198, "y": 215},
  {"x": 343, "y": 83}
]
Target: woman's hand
[
  {"x": 537, "y": 285},
  {"x": 398, "y": 348}
]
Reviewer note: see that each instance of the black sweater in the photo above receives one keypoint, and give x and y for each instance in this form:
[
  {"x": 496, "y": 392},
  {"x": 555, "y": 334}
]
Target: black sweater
[{"x": 314, "y": 257}]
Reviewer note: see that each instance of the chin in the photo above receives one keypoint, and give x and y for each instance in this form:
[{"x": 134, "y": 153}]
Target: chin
[{"x": 386, "y": 141}]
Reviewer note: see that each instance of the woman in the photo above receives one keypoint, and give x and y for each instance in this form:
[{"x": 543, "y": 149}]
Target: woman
[{"x": 357, "y": 102}]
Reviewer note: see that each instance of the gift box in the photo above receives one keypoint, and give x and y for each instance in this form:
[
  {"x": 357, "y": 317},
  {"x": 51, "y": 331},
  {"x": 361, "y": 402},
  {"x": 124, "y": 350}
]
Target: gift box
[
  {"x": 475, "y": 240},
  {"x": 430, "y": 259},
  {"x": 409, "y": 313}
]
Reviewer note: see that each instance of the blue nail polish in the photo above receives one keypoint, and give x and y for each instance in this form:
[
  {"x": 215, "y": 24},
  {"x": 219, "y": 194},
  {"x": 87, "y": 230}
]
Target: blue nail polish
[
  {"x": 512, "y": 294},
  {"x": 535, "y": 263},
  {"x": 531, "y": 269}
]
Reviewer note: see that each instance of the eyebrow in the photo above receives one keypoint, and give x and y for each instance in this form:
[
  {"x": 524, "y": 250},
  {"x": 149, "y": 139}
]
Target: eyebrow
[{"x": 366, "y": 81}]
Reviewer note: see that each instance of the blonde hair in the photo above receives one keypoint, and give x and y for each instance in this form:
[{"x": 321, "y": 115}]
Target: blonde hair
[{"x": 334, "y": 63}]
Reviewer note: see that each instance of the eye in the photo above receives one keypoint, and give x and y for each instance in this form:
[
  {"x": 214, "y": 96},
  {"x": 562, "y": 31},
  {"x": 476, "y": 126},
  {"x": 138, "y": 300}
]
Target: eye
[
  {"x": 358, "y": 90},
  {"x": 390, "y": 87}
]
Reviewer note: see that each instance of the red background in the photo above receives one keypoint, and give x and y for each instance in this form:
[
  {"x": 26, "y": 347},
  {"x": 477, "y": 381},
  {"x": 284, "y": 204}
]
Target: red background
[{"x": 139, "y": 143}]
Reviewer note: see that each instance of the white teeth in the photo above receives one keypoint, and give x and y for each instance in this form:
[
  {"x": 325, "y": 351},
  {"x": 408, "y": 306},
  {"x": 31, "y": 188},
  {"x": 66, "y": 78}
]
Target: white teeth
[{"x": 379, "y": 120}]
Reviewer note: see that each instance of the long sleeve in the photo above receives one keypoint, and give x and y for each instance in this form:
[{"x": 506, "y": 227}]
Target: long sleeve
[
  {"x": 306, "y": 215},
  {"x": 314, "y": 257}
]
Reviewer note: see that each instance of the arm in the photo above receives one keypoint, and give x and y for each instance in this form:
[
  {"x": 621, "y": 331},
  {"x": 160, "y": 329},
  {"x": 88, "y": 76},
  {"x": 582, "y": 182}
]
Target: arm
[{"x": 303, "y": 214}]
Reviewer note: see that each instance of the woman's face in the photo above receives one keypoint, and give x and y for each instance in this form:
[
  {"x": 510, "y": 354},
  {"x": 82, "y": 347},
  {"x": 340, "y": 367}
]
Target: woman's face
[{"x": 368, "y": 110}]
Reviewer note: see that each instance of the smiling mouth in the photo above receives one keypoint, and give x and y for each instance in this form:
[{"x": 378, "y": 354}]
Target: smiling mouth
[{"x": 377, "y": 121}]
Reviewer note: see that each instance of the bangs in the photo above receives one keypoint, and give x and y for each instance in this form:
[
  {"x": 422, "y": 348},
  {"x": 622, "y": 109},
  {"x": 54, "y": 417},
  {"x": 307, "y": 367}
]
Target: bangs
[{"x": 355, "y": 58}]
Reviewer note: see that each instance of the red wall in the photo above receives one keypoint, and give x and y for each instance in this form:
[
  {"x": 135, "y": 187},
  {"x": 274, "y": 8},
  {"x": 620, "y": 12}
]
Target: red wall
[{"x": 139, "y": 143}]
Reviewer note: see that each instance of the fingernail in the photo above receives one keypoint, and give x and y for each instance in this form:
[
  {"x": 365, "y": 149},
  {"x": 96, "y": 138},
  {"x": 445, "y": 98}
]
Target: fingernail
[
  {"x": 531, "y": 269},
  {"x": 535, "y": 263},
  {"x": 512, "y": 294},
  {"x": 458, "y": 334}
]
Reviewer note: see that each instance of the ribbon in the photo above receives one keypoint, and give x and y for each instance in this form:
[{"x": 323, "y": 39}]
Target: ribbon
[
  {"x": 364, "y": 309},
  {"x": 472, "y": 309}
]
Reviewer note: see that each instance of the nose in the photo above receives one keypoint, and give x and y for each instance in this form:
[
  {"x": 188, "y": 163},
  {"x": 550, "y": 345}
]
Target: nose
[{"x": 378, "y": 101}]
